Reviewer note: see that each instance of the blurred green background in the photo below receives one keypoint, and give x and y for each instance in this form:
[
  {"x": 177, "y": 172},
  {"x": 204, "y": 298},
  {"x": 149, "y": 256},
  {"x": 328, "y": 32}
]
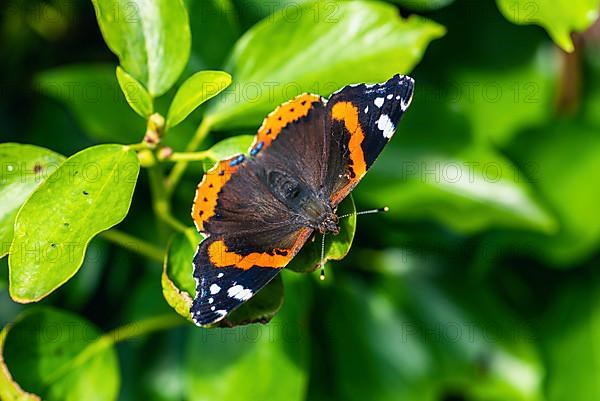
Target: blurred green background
[{"x": 482, "y": 281}]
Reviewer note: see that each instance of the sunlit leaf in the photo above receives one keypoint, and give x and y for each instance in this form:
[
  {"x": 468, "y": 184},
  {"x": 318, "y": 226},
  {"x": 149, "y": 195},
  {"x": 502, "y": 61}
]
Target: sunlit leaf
[
  {"x": 281, "y": 57},
  {"x": 151, "y": 38},
  {"x": 24, "y": 167},
  {"x": 136, "y": 95},
  {"x": 196, "y": 90},
  {"x": 89, "y": 193},
  {"x": 229, "y": 147},
  {"x": 559, "y": 17}
]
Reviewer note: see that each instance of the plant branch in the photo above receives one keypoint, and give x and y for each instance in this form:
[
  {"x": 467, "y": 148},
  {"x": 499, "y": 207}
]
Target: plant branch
[
  {"x": 160, "y": 198},
  {"x": 134, "y": 244},
  {"x": 180, "y": 167},
  {"x": 188, "y": 156}
]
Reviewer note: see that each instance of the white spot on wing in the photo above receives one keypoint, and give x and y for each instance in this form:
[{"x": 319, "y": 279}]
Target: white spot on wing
[
  {"x": 211, "y": 300},
  {"x": 367, "y": 109},
  {"x": 221, "y": 312},
  {"x": 214, "y": 289},
  {"x": 239, "y": 292},
  {"x": 386, "y": 126},
  {"x": 390, "y": 96},
  {"x": 219, "y": 275},
  {"x": 379, "y": 102},
  {"x": 404, "y": 104}
]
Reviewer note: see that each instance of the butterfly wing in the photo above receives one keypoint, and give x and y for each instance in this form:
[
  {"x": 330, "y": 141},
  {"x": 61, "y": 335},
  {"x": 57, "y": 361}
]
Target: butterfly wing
[
  {"x": 228, "y": 272},
  {"x": 360, "y": 122},
  {"x": 252, "y": 233},
  {"x": 326, "y": 147}
]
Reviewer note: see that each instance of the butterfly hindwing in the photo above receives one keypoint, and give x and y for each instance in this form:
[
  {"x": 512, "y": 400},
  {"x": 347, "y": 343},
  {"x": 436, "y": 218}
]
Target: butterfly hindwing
[{"x": 228, "y": 272}]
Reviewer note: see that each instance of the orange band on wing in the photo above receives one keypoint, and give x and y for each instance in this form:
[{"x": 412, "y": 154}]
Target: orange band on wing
[
  {"x": 207, "y": 192},
  {"x": 283, "y": 115},
  {"x": 348, "y": 113},
  {"x": 220, "y": 256}
]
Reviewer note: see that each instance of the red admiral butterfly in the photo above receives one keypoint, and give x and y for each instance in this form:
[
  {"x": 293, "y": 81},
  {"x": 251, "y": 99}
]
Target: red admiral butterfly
[{"x": 258, "y": 211}]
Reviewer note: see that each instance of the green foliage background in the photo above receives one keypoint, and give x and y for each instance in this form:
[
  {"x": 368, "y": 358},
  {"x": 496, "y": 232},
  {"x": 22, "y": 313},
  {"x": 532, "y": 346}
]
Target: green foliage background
[{"x": 481, "y": 283}]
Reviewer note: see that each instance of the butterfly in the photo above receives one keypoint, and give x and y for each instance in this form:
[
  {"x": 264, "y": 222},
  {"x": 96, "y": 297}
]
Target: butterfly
[{"x": 258, "y": 211}]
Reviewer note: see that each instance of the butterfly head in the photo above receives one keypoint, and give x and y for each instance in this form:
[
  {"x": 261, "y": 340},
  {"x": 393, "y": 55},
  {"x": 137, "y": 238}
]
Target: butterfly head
[{"x": 329, "y": 224}]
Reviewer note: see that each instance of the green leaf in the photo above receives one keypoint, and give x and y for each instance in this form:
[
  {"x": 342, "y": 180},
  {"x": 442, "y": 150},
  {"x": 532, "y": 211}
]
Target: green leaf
[
  {"x": 563, "y": 167},
  {"x": 93, "y": 95},
  {"x": 138, "y": 98},
  {"x": 497, "y": 90},
  {"x": 499, "y": 103},
  {"x": 89, "y": 193},
  {"x": 479, "y": 342},
  {"x": 558, "y": 17},
  {"x": 151, "y": 38},
  {"x": 468, "y": 190},
  {"x": 281, "y": 57},
  {"x": 41, "y": 359},
  {"x": 196, "y": 90},
  {"x": 279, "y": 351},
  {"x": 336, "y": 247},
  {"x": 249, "y": 12},
  {"x": 400, "y": 364},
  {"x": 24, "y": 167},
  {"x": 179, "y": 286},
  {"x": 229, "y": 147},
  {"x": 569, "y": 334},
  {"x": 218, "y": 33},
  {"x": 3, "y": 274}
]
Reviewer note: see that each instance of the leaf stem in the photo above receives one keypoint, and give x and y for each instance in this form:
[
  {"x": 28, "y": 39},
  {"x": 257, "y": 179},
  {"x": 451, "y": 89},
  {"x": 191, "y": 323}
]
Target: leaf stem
[
  {"x": 138, "y": 146},
  {"x": 181, "y": 165},
  {"x": 143, "y": 327},
  {"x": 189, "y": 156},
  {"x": 160, "y": 197},
  {"x": 134, "y": 244}
]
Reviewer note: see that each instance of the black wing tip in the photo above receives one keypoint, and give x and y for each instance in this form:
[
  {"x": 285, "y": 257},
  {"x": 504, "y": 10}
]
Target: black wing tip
[
  {"x": 404, "y": 80},
  {"x": 203, "y": 317},
  {"x": 407, "y": 88}
]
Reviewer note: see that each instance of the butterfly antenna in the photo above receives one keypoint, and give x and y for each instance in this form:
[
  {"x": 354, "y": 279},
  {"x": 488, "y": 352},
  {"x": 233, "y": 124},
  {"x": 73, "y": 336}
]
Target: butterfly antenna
[
  {"x": 323, "y": 258},
  {"x": 371, "y": 211}
]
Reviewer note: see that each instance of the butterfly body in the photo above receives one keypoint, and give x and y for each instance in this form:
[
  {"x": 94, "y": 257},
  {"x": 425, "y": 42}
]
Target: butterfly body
[{"x": 258, "y": 211}]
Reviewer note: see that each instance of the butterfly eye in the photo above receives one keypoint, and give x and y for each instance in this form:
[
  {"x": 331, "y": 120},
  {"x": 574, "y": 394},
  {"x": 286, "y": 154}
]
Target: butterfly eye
[{"x": 290, "y": 188}]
